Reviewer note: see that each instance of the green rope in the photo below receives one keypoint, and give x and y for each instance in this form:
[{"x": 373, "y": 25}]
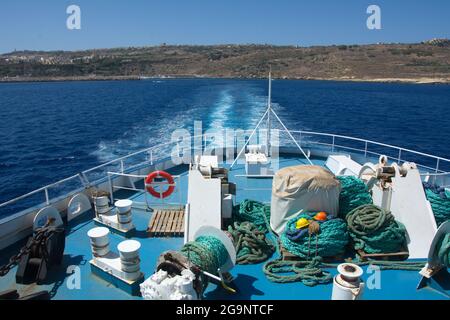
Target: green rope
[
  {"x": 353, "y": 194},
  {"x": 206, "y": 252},
  {"x": 444, "y": 250},
  {"x": 251, "y": 244},
  {"x": 307, "y": 272},
  {"x": 375, "y": 230},
  {"x": 393, "y": 265},
  {"x": 440, "y": 206},
  {"x": 331, "y": 241},
  {"x": 253, "y": 211}
]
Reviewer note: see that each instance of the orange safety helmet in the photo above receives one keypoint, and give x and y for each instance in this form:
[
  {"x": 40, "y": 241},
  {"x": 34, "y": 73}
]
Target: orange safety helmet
[{"x": 321, "y": 216}]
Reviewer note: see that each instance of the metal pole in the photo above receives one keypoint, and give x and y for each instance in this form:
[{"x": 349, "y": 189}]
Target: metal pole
[
  {"x": 110, "y": 189},
  {"x": 365, "y": 150},
  {"x": 292, "y": 137},
  {"x": 249, "y": 138},
  {"x": 269, "y": 106},
  {"x": 47, "y": 199}
]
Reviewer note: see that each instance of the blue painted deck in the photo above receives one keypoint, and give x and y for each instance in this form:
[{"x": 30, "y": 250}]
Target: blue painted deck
[{"x": 250, "y": 281}]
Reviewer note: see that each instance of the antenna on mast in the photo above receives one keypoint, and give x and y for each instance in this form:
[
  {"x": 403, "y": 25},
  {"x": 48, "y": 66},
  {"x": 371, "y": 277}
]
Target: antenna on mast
[{"x": 269, "y": 110}]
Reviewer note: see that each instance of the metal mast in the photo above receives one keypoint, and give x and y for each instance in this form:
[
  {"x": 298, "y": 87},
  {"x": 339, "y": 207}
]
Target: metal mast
[
  {"x": 268, "y": 111},
  {"x": 269, "y": 107}
]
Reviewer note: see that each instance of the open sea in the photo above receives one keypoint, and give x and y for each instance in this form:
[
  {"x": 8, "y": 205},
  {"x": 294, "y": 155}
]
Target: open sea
[{"x": 49, "y": 131}]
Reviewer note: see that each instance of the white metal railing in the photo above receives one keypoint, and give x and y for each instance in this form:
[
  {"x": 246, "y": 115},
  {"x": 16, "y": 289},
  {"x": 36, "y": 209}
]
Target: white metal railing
[
  {"x": 366, "y": 151},
  {"x": 153, "y": 156},
  {"x": 44, "y": 189},
  {"x": 177, "y": 184}
]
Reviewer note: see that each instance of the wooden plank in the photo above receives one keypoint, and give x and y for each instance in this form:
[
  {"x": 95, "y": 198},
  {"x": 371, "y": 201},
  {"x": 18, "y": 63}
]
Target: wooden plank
[
  {"x": 158, "y": 225},
  {"x": 383, "y": 256},
  {"x": 180, "y": 223},
  {"x": 170, "y": 219},
  {"x": 152, "y": 224},
  {"x": 166, "y": 223},
  {"x": 155, "y": 222},
  {"x": 162, "y": 228},
  {"x": 173, "y": 227},
  {"x": 177, "y": 223}
]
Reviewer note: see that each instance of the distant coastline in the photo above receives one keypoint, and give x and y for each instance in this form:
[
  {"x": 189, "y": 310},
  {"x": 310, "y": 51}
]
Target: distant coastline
[
  {"x": 138, "y": 78},
  {"x": 135, "y": 78},
  {"x": 426, "y": 62}
]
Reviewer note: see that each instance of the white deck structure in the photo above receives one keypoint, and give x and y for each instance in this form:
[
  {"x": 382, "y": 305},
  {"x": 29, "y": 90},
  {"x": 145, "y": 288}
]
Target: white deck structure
[{"x": 410, "y": 206}]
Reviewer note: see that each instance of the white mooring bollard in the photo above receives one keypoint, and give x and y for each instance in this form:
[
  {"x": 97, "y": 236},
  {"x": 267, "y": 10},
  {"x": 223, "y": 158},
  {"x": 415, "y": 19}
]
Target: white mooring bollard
[
  {"x": 129, "y": 259},
  {"x": 124, "y": 213},
  {"x": 101, "y": 204},
  {"x": 99, "y": 238},
  {"x": 347, "y": 285}
]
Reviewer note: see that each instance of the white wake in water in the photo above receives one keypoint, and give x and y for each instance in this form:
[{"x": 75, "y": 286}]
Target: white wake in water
[
  {"x": 222, "y": 109},
  {"x": 235, "y": 107}
]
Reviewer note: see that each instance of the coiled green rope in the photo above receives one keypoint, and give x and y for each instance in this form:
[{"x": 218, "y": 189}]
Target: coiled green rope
[
  {"x": 354, "y": 193},
  {"x": 206, "y": 252},
  {"x": 375, "y": 230},
  {"x": 444, "y": 250},
  {"x": 332, "y": 239},
  {"x": 440, "y": 206},
  {"x": 253, "y": 211},
  {"x": 251, "y": 244}
]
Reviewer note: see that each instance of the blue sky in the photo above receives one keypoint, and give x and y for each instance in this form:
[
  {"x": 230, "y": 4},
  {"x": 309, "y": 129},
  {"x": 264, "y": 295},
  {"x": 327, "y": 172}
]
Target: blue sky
[{"x": 41, "y": 24}]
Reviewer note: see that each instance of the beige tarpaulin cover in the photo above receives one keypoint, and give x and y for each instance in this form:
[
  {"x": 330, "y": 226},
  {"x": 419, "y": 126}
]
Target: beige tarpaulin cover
[{"x": 302, "y": 188}]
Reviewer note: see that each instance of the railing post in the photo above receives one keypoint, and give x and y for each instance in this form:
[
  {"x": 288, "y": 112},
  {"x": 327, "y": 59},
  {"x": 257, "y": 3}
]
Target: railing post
[
  {"x": 399, "y": 155},
  {"x": 332, "y": 146},
  {"x": 151, "y": 157},
  {"x": 437, "y": 165},
  {"x": 110, "y": 189},
  {"x": 365, "y": 150},
  {"x": 86, "y": 180},
  {"x": 121, "y": 166},
  {"x": 47, "y": 199}
]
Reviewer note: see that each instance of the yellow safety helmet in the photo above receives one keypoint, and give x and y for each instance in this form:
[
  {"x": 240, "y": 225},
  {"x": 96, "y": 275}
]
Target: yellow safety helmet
[{"x": 301, "y": 223}]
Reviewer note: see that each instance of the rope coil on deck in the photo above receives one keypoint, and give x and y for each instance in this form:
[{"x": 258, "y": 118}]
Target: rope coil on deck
[
  {"x": 307, "y": 272},
  {"x": 439, "y": 201},
  {"x": 251, "y": 244},
  {"x": 206, "y": 252},
  {"x": 329, "y": 241},
  {"x": 354, "y": 193},
  {"x": 375, "y": 230},
  {"x": 444, "y": 250},
  {"x": 253, "y": 211}
]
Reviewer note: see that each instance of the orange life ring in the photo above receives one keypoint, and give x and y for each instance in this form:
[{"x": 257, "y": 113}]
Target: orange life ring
[{"x": 152, "y": 191}]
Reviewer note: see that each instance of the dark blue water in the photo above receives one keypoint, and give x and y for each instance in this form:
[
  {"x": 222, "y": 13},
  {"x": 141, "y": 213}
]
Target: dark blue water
[{"x": 52, "y": 130}]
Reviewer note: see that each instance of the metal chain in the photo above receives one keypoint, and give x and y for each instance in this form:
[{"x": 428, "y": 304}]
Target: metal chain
[{"x": 39, "y": 240}]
